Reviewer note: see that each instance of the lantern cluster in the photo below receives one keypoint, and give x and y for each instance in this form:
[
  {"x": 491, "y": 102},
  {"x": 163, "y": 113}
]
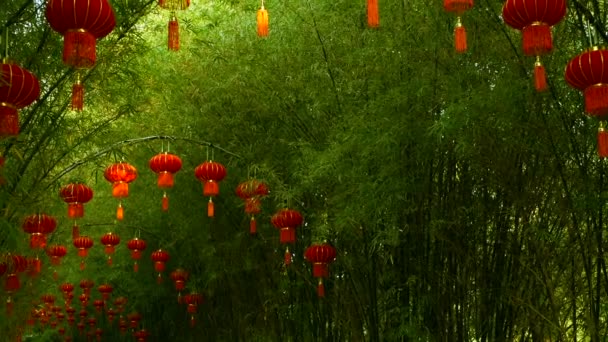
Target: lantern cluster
[{"x": 251, "y": 192}]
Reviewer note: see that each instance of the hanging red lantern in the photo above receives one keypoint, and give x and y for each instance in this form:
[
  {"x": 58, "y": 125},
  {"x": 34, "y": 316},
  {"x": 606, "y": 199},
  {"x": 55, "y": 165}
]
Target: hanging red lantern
[
  {"x": 373, "y": 14},
  {"x": 34, "y": 266},
  {"x": 286, "y": 221},
  {"x": 83, "y": 244},
  {"x": 193, "y": 300},
  {"x": 180, "y": 277},
  {"x": 106, "y": 291},
  {"x": 160, "y": 257},
  {"x": 70, "y": 311},
  {"x": 210, "y": 173},
  {"x": 76, "y": 195},
  {"x": 98, "y": 304},
  {"x": 173, "y": 6},
  {"x": 18, "y": 89},
  {"x": 39, "y": 226},
  {"x": 120, "y": 303},
  {"x": 81, "y": 23},
  {"x": 56, "y": 253},
  {"x": 251, "y": 191},
  {"x": 123, "y": 325},
  {"x": 110, "y": 240},
  {"x": 136, "y": 246},
  {"x": 67, "y": 289},
  {"x": 111, "y": 313},
  {"x": 15, "y": 264},
  {"x": 320, "y": 255},
  {"x": 458, "y": 7},
  {"x": 84, "y": 301},
  {"x": 86, "y": 285},
  {"x": 134, "y": 319},
  {"x": 120, "y": 175},
  {"x": 165, "y": 165},
  {"x": 141, "y": 335},
  {"x": 535, "y": 18},
  {"x": 262, "y": 21},
  {"x": 588, "y": 72}
]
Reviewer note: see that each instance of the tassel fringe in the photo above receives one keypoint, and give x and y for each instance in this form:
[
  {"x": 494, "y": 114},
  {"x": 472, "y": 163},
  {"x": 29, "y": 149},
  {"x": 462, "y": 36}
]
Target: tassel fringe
[
  {"x": 373, "y": 15},
  {"x": 460, "y": 38},
  {"x": 540, "y": 77}
]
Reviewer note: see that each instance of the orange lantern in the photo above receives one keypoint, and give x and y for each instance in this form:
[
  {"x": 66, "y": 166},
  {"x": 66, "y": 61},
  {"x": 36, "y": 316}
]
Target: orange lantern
[
  {"x": 165, "y": 165},
  {"x": 373, "y": 14},
  {"x": 120, "y": 175},
  {"x": 210, "y": 173}
]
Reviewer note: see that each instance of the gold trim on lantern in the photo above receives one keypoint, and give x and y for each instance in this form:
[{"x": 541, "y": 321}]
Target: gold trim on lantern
[
  {"x": 80, "y": 30},
  {"x": 9, "y": 105},
  {"x": 538, "y": 62},
  {"x": 458, "y": 22},
  {"x": 602, "y": 127}
]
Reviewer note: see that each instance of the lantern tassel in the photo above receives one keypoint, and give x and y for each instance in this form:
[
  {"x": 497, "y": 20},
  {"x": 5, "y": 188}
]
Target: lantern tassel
[
  {"x": 9, "y": 306},
  {"x": 373, "y": 16},
  {"x": 262, "y": 19},
  {"x": 159, "y": 279},
  {"x": 460, "y": 37},
  {"x": 602, "y": 141},
  {"x": 78, "y": 95},
  {"x": 82, "y": 266},
  {"x": 210, "y": 208},
  {"x": 320, "y": 288},
  {"x": 179, "y": 298},
  {"x": 120, "y": 212},
  {"x": 287, "y": 257},
  {"x": 192, "y": 321},
  {"x": 253, "y": 229},
  {"x": 110, "y": 260},
  {"x": 136, "y": 267},
  {"x": 165, "y": 202},
  {"x": 173, "y": 40},
  {"x": 540, "y": 78}
]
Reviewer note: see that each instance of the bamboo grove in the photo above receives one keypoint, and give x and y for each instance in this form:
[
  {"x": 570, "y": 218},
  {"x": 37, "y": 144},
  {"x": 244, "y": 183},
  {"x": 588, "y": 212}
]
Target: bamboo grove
[{"x": 464, "y": 205}]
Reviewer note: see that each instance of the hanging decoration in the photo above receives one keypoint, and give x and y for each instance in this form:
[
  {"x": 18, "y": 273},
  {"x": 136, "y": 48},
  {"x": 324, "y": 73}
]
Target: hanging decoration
[
  {"x": 373, "y": 14},
  {"x": 68, "y": 292},
  {"x": 180, "y": 277},
  {"x": 588, "y": 72},
  {"x": 458, "y": 7},
  {"x": 56, "y": 253},
  {"x": 173, "y": 27},
  {"x": 134, "y": 319},
  {"x": 110, "y": 241},
  {"x": 165, "y": 165},
  {"x": 320, "y": 255},
  {"x": 193, "y": 300},
  {"x": 120, "y": 175},
  {"x": 262, "y": 20},
  {"x": 120, "y": 303},
  {"x": 286, "y": 221},
  {"x": 106, "y": 291},
  {"x": 34, "y": 266},
  {"x": 76, "y": 195},
  {"x": 136, "y": 245},
  {"x": 83, "y": 244},
  {"x": 18, "y": 89},
  {"x": 70, "y": 311},
  {"x": 98, "y": 304},
  {"x": 110, "y": 313},
  {"x": 535, "y": 18},
  {"x": 15, "y": 264},
  {"x": 252, "y": 191},
  {"x": 210, "y": 173},
  {"x": 81, "y": 23},
  {"x": 39, "y": 226},
  {"x": 160, "y": 257}
]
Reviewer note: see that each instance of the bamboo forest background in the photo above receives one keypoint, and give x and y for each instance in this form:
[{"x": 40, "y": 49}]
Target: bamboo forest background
[{"x": 464, "y": 206}]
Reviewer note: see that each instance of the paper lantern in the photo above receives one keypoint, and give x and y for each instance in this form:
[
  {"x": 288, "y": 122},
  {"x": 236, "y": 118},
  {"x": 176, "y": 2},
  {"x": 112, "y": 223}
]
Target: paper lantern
[
  {"x": 286, "y": 221},
  {"x": 458, "y": 7},
  {"x": 106, "y": 291},
  {"x": 134, "y": 319},
  {"x": 141, "y": 335},
  {"x": 76, "y": 195},
  {"x": 18, "y": 89},
  {"x": 83, "y": 244},
  {"x": 252, "y": 191},
  {"x": 535, "y": 18},
  {"x": 39, "y": 226},
  {"x": 160, "y": 258},
  {"x": 320, "y": 255},
  {"x": 165, "y": 165},
  {"x": 15, "y": 264},
  {"x": 120, "y": 175},
  {"x": 210, "y": 173},
  {"x": 180, "y": 277},
  {"x": 110, "y": 241},
  {"x": 34, "y": 266},
  {"x": 136, "y": 245},
  {"x": 193, "y": 300}
]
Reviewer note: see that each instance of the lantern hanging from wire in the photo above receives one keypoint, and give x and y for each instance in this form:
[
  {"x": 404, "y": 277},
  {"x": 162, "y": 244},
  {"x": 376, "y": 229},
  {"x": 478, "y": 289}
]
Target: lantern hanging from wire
[
  {"x": 165, "y": 165},
  {"x": 81, "y": 23},
  {"x": 173, "y": 26},
  {"x": 15, "y": 264},
  {"x": 286, "y": 221},
  {"x": 262, "y": 21},
  {"x": 120, "y": 303},
  {"x": 18, "y": 89},
  {"x": 459, "y": 7},
  {"x": 83, "y": 244},
  {"x": 211, "y": 174},
  {"x": 134, "y": 319},
  {"x": 136, "y": 245},
  {"x": 373, "y": 14},
  {"x": 56, "y": 253},
  {"x": 39, "y": 226},
  {"x": 320, "y": 256},
  {"x": 535, "y": 18},
  {"x": 193, "y": 300},
  {"x": 251, "y": 192},
  {"x": 76, "y": 195},
  {"x": 106, "y": 291},
  {"x": 588, "y": 72},
  {"x": 120, "y": 175},
  {"x": 180, "y": 277},
  {"x": 160, "y": 258},
  {"x": 110, "y": 241}
]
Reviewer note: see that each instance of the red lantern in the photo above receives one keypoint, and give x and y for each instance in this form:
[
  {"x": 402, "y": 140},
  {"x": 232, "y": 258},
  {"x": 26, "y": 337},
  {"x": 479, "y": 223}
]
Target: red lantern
[
  {"x": 83, "y": 243},
  {"x": 193, "y": 300},
  {"x": 286, "y": 221},
  {"x": 84, "y": 301},
  {"x": 173, "y": 6},
  {"x": 320, "y": 255},
  {"x": 106, "y": 291},
  {"x": 136, "y": 246},
  {"x": 67, "y": 290},
  {"x": 588, "y": 72},
  {"x": 458, "y": 7},
  {"x": 160, "y": 257},
  {"x": 86, "y": 285},
  {"x": 111, "y": 313},
  {"x": 18, "y": 89},
  {"x": 120, "y": 303},
  {"x": 165, "y": 165},
  {"x": 122, "y": 325},
  {"x": 56, "y": 252},
  {"x": 134, "y": 319},
  {"x": 141, "y": 335},
  {"x": 110, "y": 240},
  {"x": 210, "y": 173},
  {"x": 15, "y": 264},
  {"x": 70, "y": 311},
  {"x": 252, "y": 191},
  {"x": 75, "y": 195},
  {"x": 262, "y": 20},
  {"x": 120, "y": 175},
  {"x": 535, "y": 18},
  {"x": 81, "y": 22},
  {"x": 98, "y": 304},
  {"x": 34, "y": 266},
  {"x": 180, "y": 277},
  {"x": 39, "y": 226}
]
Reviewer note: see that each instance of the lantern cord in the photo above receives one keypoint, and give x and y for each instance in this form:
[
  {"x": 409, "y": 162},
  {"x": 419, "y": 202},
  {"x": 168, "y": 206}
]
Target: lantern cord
[{"x": 5, "y": 45}]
